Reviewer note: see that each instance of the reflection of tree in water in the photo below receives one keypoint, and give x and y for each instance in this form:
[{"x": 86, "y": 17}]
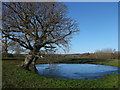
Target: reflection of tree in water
[{"x": 52, "y": 70}]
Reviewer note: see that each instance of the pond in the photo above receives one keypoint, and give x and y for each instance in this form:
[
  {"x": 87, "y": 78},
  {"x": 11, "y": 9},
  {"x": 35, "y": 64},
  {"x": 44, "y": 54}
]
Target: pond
[{"x": 75, "y": 71}]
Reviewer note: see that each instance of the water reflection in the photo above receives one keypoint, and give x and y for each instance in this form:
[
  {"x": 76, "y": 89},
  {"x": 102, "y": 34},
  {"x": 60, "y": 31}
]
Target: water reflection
[
  {"x": 50, "y": 70},
  {"x": 75, "y": 71}
]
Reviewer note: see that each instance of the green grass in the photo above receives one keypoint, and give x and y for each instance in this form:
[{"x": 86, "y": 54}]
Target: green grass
[
  {"x": 16, "y": 77},
  {"x": 112, "y": 62},
  {"x": 13, "y": 58}
]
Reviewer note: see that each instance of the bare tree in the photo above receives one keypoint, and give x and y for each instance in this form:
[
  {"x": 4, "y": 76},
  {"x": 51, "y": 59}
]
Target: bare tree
[
  {"x": 15, "y": 48},
  {"x": 11, "y": 47},
  {"x": 107, "y": 53},
  {"x": 37, "y": 25},
  {"x": 5, "y": 45}
]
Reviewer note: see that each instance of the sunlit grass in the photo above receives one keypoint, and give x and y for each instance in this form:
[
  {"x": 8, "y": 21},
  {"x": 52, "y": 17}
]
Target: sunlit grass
[{"x": 16, "y": 77}]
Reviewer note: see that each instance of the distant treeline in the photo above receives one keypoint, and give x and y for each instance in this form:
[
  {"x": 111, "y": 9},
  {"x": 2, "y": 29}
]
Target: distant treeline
[
  {"x": 99, "y": 54},
  {"x": 103, "y": 55}
]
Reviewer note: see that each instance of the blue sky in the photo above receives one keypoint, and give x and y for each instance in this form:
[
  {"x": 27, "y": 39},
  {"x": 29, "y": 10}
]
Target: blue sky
[{"x": 98, "y": 24}]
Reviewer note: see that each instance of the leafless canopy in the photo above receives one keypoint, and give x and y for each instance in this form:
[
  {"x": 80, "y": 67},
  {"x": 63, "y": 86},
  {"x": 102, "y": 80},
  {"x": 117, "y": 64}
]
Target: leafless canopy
[{"x": 36, "y": 25}]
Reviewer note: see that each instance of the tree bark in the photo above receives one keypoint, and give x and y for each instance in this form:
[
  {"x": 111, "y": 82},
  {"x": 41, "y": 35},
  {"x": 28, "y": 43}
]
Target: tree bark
[
  {"x": 33, "y": 67},
  {"x": 29, "y": 63}
]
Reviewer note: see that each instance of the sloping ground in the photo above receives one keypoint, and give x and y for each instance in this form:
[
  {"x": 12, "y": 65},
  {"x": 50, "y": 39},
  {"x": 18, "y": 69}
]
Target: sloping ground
[
  {"x": 112, "y": 62},
  {"x": 16, "y": 77}
]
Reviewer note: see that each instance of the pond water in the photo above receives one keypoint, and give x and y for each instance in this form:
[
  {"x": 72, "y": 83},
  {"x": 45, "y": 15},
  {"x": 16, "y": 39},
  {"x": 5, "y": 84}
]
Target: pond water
[{"x": 75, "y": 71}]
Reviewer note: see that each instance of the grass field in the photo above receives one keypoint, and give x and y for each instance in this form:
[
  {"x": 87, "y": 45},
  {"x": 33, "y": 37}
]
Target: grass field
[{"x": 16, "y": 77}]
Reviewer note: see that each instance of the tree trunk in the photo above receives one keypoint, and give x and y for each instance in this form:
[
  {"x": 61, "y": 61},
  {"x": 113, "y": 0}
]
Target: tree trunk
[
  {"x": 6, "y": 46},
  {"x": 33, "y": 67},
  {"x": 29, "y": 63}
]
